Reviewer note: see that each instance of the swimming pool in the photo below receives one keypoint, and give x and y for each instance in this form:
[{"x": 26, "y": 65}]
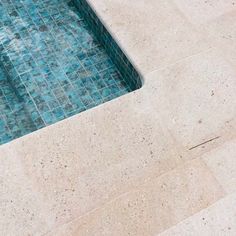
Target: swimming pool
[{"x": 56, "y": 60}]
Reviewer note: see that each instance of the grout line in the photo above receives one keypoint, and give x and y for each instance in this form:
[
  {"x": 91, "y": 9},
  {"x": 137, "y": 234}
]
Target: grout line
[
  {"x": 90, "y": 211},
  {"x": 176, "y": 62}
]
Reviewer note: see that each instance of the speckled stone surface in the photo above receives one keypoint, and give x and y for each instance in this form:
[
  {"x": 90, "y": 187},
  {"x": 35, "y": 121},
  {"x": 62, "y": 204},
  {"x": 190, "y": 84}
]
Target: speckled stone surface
[{"x": 157, "y": 161}]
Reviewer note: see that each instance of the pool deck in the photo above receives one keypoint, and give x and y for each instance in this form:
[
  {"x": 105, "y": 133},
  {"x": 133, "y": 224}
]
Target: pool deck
[{"x": 158, "y": 161}]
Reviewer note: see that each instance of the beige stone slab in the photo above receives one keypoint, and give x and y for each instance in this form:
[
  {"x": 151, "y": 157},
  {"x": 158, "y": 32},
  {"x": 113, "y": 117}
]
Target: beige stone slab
[
  {"x": 22, "y": 211},
  {"x": 153, "y": 207},
  {"x": 82, "y": 163},
  {"x": 217, "y": 220},
  {"x": 222, "y": 162},
  {"x": 196, "y": 99},
  {"x": 155, "y": 35},
  {"x": 203, "y": 11},
  {"x": 221, "y": 34}
]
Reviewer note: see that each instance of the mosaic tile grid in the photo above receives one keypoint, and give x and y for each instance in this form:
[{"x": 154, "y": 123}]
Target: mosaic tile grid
[{"x": 55, "y": 65}]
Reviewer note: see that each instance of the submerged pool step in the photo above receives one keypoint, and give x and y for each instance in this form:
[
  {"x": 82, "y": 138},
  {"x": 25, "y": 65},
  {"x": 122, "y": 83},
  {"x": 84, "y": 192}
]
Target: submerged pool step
[
  {"x": 14, "y": 118},
  {"x": 19, "y": 92}
]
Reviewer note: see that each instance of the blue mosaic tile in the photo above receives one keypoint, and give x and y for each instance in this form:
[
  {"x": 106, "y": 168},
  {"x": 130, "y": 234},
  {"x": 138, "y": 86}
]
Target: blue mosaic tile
[{"x": 56, "y": 60}]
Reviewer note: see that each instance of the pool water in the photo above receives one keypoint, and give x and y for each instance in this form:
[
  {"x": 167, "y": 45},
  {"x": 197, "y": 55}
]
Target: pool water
[{"x": 54, "y": 65}]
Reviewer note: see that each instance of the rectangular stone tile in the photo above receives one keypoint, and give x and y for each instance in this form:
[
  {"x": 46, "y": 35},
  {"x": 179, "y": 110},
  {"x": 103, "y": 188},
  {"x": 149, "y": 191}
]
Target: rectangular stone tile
[
  {"x": 222, "y": 162},
  {"x": 154, "y": 35},
  {"x": 22, "y": 210},
  {"x": 153, "y": 207},
  {"x": 221, "y": 33},
  {"x": 202, "y": 11},
  {"x": 218, "y": 219},
  {"x": 196, "y": 99},
  {"x": 85, "y": 161}
]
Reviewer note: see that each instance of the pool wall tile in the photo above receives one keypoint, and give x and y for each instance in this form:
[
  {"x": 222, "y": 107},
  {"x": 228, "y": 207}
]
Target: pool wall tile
[{"x": 56, "y": 60}]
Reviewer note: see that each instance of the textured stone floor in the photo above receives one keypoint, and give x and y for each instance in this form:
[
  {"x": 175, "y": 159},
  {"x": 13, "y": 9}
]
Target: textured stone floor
[{"x": 158, "y": 161}]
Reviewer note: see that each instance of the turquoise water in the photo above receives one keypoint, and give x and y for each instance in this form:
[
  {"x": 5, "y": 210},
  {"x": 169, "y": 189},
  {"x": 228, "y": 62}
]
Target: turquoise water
[{"x": 52, "y": 65}]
